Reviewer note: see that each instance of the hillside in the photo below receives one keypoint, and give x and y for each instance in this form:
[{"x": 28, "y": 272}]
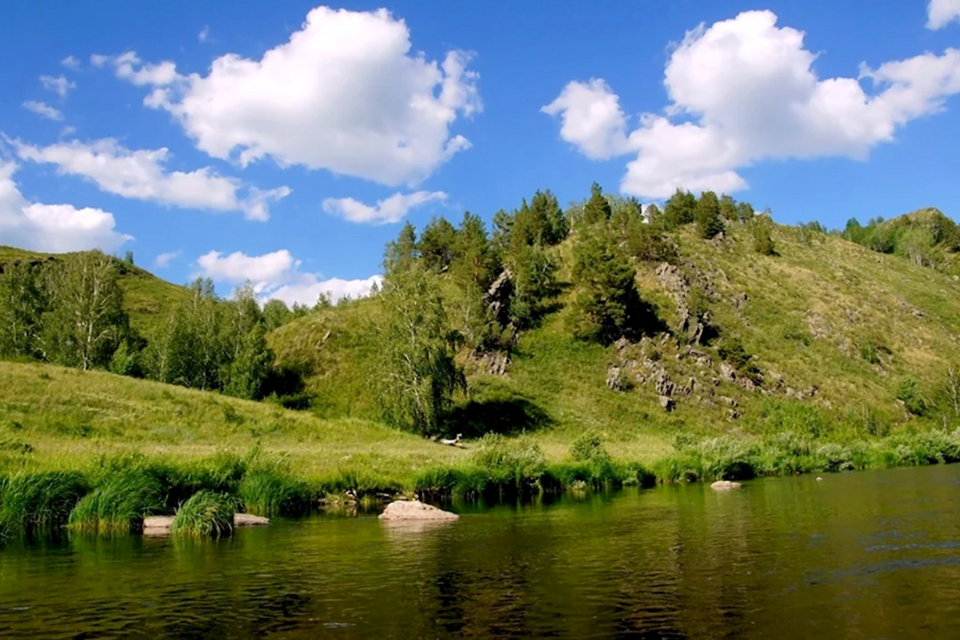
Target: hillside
[
  {"x": 147, "y": 298},
  {"x": 834, "y": 328}
]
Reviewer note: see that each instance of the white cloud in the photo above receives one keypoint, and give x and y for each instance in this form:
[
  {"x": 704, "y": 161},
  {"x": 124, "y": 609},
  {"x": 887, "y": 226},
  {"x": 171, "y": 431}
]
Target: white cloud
[
  {"x": 141, "y": 175},
  {"x": 744, "y": 90},
  {"x": 163, "y": 260},
  {"x": 387, "y": 211},
  {"x": 940, "y": 13},
  {"x": 204, "y": 34},
  {"x": 67, "y": 130},
  {"x": 70, "y": 62},
  {"x": 43, "y": 109},
  {"x": 59, "y": 85},
  {"x": 591, "y": 119},
  {"x": 52, "y": 227},
  {"x": 345, "y": 93},
  {"x": 277, "y": 275}
]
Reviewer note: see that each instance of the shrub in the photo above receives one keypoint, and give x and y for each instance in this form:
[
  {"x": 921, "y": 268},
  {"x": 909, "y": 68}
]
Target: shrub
[
  {"x": 205, "y": 514},
  {"x": 269, "y": 493},
  {"x": 908, "y": 392},
  {"x": 40, "y": 500},
  {"x": 510, "y": 464},
  {"x": 588, "y": 447},
  {"x": 119, "y": 504}
]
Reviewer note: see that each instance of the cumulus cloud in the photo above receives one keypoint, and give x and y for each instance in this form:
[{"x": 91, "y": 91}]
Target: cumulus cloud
[
  {"x": 43, "y": 109},
  {"x": 52, "y": 227},
  {"x": 141, "y": 175},
  {"x": 940, "y": 13},
  {"x": 345, "y": 94},
  {"x": 71, "y": 62},
  {"x": 59, "y": 85},
  {"x": 386, "y": 211},
  {"x": 163, "y": 260},
  {"x": 278, "y": 275},
  {"x": 744, "y": 90}
]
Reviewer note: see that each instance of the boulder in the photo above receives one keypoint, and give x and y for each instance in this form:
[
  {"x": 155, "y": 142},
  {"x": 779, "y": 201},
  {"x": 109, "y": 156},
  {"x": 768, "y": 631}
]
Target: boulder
[
  {"x": 414, "y": 510},
  {"x": 161, "y": 525},
  {"x": 667, "y": 403},
  {"x": 725, "y": 485},
  {"x": 249, "y": 520}
]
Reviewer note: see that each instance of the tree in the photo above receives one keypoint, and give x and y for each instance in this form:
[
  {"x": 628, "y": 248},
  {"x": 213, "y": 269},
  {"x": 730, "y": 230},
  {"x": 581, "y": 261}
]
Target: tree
[
  {"x": 400, "y": 253},
  {"x": 762, "y": 240},
  {"x": 548, "y": 222},
  {"x": 128, "y": 257},
  {"x": 533, "y": 278},
  {"x": 597, "y": 208},
  {"x": 653, "y": 215},
  {"x": 475, "y": 261},
  {"x": 417, "y": 374},
  {"x": 251, "y": 369},
  {"x": 243, "y": 314},
  {"x": 87, "y": 321},
  {"x": 608, "y": 304},
  {"x": 22, "y": 303},
  {"x": 728, "y": 209},
  {"x": 502, "y": 230},
  {"x": 679, "y": 209},
  {"x": 745, "y": 212},
  {"x": 438, "y": 244},
  {"x": 707, "y": 215},
  {"x": 276, "y": 314}
]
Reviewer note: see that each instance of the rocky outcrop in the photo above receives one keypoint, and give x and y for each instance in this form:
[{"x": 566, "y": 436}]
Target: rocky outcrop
[
  {"x": 616, "y": 380},
  {"x": 494, "y": 363},
  {"x": 667, "y": 403},
  {"x": 414, "y": 510},
  {"x": 725, "y": 485}
]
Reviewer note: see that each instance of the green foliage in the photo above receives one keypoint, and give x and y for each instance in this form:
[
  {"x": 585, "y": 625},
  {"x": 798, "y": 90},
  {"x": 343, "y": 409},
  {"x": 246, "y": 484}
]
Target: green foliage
[
  {"x": 416, "y": 375},
  {"x": 270, "y": 492},
  {"x": 597, "y": 209},
  {"x": 745, "y": 212},
  {"x": 511, "y": 463},
  {"x": 908, "y": 392},
  {"x": 533, "y": 279},
  {"x": 588, "y": 447},
  {"x": 251, "y": 369},
  {"x": 119, "y": 504},
  {"x": 707, "y": 215},
  {"x": 679, "y": 210},
  {"x": 399, "y": 253},
  {"x": 728, "y": 209},
  {"x": 40, "y": 501},
  {"x": 205, "y": 514},
  {"x": 438, "y": 244},
  {"x": 86, "y": 321},
  {"x": 608, "y": 304},
  {"x": 732, "y": 350},
  {"x": 125, "y": 361},
  {"x": 22, "y": 303},
  {"x": 276, "y": 314},
  {"x": 762, "y": 238}
]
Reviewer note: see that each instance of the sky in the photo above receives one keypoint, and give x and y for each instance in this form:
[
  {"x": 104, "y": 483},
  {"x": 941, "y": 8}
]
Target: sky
[{"x": 285, "y": 143}]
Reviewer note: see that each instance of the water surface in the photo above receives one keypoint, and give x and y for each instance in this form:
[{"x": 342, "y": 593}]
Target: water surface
[{"x": 859, "y": 555}]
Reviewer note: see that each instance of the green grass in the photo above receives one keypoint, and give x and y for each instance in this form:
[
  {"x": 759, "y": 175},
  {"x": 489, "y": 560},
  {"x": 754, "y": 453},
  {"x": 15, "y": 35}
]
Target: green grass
[
  {"x": 39, "y": 501},
  {"x": 205, "y": 514},
  {"x": 119, "y": 504},
  {"x": 271, "y": 493}
]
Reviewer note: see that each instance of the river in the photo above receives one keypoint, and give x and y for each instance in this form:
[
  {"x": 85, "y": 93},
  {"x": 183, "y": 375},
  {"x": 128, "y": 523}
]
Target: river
[{"x": 858, "y": 555}]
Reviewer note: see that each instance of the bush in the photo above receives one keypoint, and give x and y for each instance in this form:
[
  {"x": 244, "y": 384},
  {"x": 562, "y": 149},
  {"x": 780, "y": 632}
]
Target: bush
[
  {"x": 510, "y": 464},
  {"x": 588, "y": 447},
  {"x": 120, "y": 504},
  {"x": 32, "y": 501},
  {"x": 206, "y": 514},
  {"x": 908, "y": 392},
  {"x": 269, "y": 493}
]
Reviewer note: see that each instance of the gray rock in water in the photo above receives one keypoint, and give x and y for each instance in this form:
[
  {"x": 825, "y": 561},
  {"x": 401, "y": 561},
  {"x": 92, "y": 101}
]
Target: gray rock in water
[
  {"x": 415, "y": 510},
  {"x": 725, "y": 485}
]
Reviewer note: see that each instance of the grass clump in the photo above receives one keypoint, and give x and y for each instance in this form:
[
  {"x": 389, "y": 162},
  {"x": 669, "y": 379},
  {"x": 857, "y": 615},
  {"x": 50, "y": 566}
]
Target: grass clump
[
  {"x": 119, "y": 504},
  {"x": 205, "y": 514},
  {"x": 271, "y": 493},
  {"x": 39, "y": 501}
]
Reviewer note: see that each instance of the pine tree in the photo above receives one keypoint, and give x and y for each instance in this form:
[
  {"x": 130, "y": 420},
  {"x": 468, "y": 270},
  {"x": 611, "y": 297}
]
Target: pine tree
[
  {"x": 438, "y": 244},
  {"x": 762, "y": 240},
  {"x": 251, "y": 369},
  {"x": 597, "y": 208},
  {"x": 707, "y": 215},
  {"x": 474, "y": 257},
  {"x": 276, "y": 314},
  {"x": 679, "y": 209},
  {"x": 401, "y": 253},
  {"x": 728, "y": 208}
]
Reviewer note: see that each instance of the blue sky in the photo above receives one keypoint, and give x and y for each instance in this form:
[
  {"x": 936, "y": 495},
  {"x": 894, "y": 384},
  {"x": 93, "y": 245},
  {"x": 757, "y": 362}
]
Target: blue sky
[{"x": 253, "y": 140}]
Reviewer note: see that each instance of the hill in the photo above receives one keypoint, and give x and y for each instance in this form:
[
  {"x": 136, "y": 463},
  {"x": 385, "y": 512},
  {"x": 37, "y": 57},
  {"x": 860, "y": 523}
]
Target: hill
[
  {"x": 834, "y": 330},
  {"x": 147, "y": 298}
]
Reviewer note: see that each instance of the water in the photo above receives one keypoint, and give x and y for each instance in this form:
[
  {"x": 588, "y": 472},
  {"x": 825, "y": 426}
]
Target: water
[{"x": 860, "y": 555}]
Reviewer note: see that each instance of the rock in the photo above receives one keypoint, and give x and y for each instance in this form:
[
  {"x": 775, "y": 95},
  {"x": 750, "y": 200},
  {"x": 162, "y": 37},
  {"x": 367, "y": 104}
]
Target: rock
[
  {"x": 249, "y": 520},
  {"x": 615, "y": 378},
  {"x": 493, "y": 363},
  {"x": 819, "y": 479},
  {"x": 727, "y": 371},
  {"x": 667, "y": 403},
  {"x": 725, "y": 485},
  {"x": 414, "y": 510},
  {"x": 161, "y": 525}
]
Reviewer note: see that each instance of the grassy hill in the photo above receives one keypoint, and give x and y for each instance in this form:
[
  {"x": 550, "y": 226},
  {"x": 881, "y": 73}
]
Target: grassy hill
[
  {"x": 147, "y": 298},
  {"x": 833, "y": 327}
]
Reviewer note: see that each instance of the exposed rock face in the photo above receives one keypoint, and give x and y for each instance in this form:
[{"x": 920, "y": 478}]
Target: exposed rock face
[
  {"x": 725, "y": 485},
  {"x": 690, "y": 323},
  {"x": 498, "y": 295},
  {"x": 615, "y": 378},
  {"x": 414, "y": 510},
  {"x": 667, "y": 403},
  {"x": 727, "y": 371},
  {"x": 494, "y": 363}
]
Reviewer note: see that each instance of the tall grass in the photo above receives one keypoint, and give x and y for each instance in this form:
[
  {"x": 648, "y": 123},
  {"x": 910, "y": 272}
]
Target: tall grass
[
  {"x": 271, "y": 493},
  {"x": 40, "y": 501},
  {"x": 119, "y": 504},
  {"x": 206, "y": 514}
]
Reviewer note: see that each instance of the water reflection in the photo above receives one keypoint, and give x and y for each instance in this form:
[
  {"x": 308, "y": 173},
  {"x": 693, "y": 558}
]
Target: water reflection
[{"x": 859, "y": 555}]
